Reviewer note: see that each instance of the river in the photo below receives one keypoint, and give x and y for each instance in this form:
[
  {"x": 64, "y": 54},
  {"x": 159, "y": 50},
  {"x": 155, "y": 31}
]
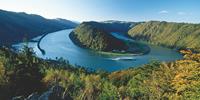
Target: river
[{"x": 58, "y": 44}]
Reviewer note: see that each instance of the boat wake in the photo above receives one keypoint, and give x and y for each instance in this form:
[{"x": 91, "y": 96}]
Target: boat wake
[{"x": 123, "y": 58}]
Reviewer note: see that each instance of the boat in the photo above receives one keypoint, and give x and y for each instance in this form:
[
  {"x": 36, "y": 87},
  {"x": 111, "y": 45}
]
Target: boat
[{"x": 123, "y": 58}]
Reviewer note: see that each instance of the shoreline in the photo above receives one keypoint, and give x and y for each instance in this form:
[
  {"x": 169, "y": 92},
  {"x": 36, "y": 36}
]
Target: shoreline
[
  {"x": 111, "y": 53},
  {"x": 40, "y": 39},
  {"x": 38, "y": 44},
  {"x": 117, "y": 54}
]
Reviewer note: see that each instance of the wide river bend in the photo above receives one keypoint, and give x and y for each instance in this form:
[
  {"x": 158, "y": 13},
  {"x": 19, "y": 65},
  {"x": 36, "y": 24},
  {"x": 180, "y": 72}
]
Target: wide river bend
[{"x": 58, "y": 44}]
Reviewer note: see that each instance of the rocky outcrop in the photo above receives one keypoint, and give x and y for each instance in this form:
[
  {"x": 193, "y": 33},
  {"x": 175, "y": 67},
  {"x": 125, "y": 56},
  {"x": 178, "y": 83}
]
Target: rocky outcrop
[{"x": 54, "y": 93}]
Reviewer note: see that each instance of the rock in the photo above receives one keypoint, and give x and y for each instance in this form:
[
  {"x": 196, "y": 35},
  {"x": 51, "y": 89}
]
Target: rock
[
  {"x": 18, "y": 98},
  {"x": 45, "y": 96},
  {"x": 55, "y": 93},
  {"x": 33, "y": 96}
]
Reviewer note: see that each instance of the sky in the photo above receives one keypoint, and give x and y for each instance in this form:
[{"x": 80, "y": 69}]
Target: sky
[{"x": 101, "y": 10}]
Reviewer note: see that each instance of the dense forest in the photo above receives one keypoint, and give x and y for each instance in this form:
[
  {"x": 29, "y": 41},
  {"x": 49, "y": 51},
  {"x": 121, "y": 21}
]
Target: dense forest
[
  {"x": 169, "y": 34},
  {"x": 25, "y": 74},
  {"x": 15, "y": 27},
  {"x": 98, "y": 36},
  {"x": 91, "y": 35}
]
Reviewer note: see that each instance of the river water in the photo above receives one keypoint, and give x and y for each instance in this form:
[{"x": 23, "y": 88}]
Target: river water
[{"x": 58, "y": 44}]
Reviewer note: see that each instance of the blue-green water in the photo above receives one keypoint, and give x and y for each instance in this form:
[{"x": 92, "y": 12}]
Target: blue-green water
[{"x": 58, "y": 44}]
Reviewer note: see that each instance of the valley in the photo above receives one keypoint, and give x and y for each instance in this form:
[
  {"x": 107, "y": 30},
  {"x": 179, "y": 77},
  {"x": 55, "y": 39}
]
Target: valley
[
  {"x": 99, "y": 50},
  {"x": 19, "y": 27},
  {"x": 59, "y": 44}
]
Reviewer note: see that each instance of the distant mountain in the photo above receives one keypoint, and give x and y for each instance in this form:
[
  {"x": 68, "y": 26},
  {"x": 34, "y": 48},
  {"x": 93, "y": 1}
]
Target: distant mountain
[
  {"x": 66, "y": 22},
  {"x": 118, "y": 26},
  {"x": 14, "y": 27},
  {"x": 94, "y": 36},
  {"x": 170, "y": 34}
]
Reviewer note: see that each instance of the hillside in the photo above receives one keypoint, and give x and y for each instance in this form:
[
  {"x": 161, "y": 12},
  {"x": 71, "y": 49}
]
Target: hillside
[
  {"x": 32, "y": 78},
  {"x": 14, "y": 27},
  {"x": 91, "y": 35},
  {"x": 174, "y": 35}
]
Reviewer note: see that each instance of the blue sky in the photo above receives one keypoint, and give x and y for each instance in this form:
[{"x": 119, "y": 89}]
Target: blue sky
[{"x": 99, "y": 10}]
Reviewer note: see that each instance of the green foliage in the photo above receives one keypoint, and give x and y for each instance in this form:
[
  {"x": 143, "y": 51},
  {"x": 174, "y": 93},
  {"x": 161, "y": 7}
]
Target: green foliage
[
  {"x": 175, "y": 35},
  {"x": 19, "y": 72},
  {"x": 91, "y": 35},
  {"x": 136, "y": 89},
  {"x": 3, "y": 78},
  {"x": 109, "y": 91},
  {"x": 154, "y": 81}
]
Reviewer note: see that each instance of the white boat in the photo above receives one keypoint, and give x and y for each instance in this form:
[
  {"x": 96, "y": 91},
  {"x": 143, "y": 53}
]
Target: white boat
[{"x": 123, "y": 58}]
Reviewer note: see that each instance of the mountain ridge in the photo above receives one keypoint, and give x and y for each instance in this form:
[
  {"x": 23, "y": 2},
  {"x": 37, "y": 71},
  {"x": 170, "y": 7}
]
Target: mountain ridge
[
  {"x": 17, "y": 26},
  {"x": 168, "y": 34}
]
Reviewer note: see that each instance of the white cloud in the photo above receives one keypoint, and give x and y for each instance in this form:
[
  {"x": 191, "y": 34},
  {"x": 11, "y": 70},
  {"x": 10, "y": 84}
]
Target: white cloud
[
  {"x": 181, "y": 13},
  {"x": 163, "y": 12}
]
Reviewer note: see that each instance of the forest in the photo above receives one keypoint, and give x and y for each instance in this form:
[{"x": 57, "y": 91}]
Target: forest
[
  {"x": 168, "y": 34},
  {"x": 99, "y": 50},
  {"x": 91, "y": 35},
  {"x": 24, "y": 74}
]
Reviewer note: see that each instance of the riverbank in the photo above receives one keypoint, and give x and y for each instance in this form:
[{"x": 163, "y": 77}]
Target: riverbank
[
  {"x": 80, "y": 76},
  {"x": 111, "y": 54},
  {"x": 39, "y": 41},
  {"x": 58, "y": 44},
  {"x": 134, "y": 48},
  {"x": 38, "y": 44}
]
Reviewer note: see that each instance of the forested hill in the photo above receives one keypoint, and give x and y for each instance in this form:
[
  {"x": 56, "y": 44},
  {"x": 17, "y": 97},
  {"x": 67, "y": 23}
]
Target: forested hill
[
  {"x": 175, "y": 35},
  {"x": 14, "y": 27},
  {"x": 92, "y": 35}
]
